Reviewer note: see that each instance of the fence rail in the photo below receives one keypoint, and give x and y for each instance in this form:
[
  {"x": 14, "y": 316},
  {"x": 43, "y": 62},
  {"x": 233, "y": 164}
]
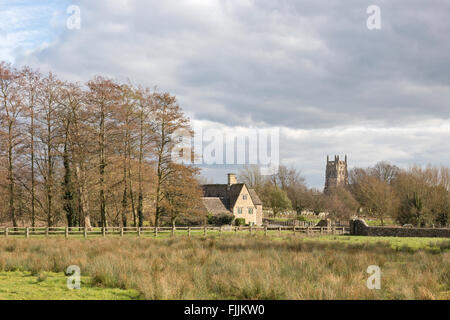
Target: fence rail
[
  {"x": 27, "y": 232},
  {"x": 288, "y": 223}
]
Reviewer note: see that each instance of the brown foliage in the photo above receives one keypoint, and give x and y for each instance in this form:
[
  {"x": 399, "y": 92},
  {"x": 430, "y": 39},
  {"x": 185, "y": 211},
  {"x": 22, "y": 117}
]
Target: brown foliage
[{"x": 85, "y": 155}]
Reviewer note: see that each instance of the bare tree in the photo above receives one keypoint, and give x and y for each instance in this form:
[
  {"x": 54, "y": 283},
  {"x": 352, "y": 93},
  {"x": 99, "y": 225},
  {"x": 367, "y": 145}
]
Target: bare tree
[
  {"x": 145, "y": 135},
  {"x": 10, "y": 112},
  {"x": 30, "y": 87},
  {"x": 168, "y": 118},
  {"x": 49, "y": 137},
  {"x": 252, "y": 177},
  {"x": 385, "y": 172},
  {"x": 66, "y": 149},
  {"x": 182, "y": 193},
  {"x": 103, "y": 99},
  {"x": 340, "y": 203}
]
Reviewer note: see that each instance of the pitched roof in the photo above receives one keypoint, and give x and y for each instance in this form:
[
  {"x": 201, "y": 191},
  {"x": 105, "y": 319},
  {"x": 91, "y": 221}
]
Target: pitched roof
[
  {"x": 256, "y": 200},
  {"x": 234, "y": 192},
  {"x": 228, "y": 194},
  {"x": 215, "y": 190},
  {"x": 220, "y": 197},
  {"x": 215, "y": 205}
]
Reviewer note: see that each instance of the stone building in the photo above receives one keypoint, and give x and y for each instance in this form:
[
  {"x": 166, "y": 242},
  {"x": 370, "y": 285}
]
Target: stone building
[
  {"x": 336, "y": 173},
  {"x": 233, "y": 198}
]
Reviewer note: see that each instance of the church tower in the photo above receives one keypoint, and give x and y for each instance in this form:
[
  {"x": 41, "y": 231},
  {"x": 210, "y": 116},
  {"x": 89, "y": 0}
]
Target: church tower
[{"x": 336, "y": 173}]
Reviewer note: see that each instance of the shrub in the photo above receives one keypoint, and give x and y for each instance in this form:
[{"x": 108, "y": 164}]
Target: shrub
[
  {"x": 239, "y": 222},
  {"x": 220, "y": 219}
]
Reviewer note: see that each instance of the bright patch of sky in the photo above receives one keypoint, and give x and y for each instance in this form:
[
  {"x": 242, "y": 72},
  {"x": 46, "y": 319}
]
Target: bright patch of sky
[{"x": 26, "y": 25}]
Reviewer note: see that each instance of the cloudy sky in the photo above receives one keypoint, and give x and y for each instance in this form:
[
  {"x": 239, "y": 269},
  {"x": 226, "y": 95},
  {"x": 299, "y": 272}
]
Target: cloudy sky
[{"x": 310, "y": 68}]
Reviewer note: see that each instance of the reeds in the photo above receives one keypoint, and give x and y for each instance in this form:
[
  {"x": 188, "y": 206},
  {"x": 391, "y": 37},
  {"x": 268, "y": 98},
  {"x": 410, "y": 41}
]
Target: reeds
[{"x": 238, "y": 267}]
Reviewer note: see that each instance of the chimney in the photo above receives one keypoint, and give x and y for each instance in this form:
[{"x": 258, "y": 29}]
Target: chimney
[{"x": 231, "y": 179}]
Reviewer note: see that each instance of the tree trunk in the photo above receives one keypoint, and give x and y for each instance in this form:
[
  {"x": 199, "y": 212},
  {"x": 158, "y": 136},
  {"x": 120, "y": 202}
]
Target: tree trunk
[
  {"x": 125, "y": 193},
  {"x": 68, "y": 191},
  {"x": 11, "y": 175},
  {"x": 141, "y": 156},
  {"x": 102, "y": 169},
  {"x": 133, "y": 207},
  {"x": 33, "y": 183},
  {"x": 49, "y": 174},
  {"x": 158, "y": 195},
  {"x": 159, "y": 174}
]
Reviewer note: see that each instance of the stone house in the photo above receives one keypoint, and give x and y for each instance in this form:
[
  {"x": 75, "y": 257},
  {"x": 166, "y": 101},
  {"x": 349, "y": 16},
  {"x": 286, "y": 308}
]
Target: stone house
[{"x": 233, "y": 198}]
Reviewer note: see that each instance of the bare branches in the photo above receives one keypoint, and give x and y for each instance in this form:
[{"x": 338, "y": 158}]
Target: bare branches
[{"x": 80, "y": 151}]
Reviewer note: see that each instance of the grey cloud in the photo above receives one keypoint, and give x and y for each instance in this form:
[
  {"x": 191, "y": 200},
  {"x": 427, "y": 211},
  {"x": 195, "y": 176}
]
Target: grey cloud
[
  {"x": 290, "y": 63},
  {"x": 309, "y": 65}
]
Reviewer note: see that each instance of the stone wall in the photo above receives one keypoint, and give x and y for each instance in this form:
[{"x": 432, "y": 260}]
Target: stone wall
[{"x": 360, "y": 228}]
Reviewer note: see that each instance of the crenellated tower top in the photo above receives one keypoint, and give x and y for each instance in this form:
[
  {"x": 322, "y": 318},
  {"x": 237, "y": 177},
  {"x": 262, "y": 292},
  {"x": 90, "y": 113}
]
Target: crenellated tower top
[{"x": 336, "y": 173}]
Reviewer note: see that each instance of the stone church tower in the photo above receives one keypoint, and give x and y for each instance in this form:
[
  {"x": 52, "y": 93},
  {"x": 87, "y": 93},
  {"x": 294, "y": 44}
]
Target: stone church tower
[{"x": 336, "y": 173}]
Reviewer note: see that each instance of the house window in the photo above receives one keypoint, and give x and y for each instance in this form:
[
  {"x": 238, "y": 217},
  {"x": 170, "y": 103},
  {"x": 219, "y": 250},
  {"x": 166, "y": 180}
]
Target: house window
[
  {"x": 250, "y": 210},
  {"x": 244, "y": 197},
  {"x": 239, "y": 210}
]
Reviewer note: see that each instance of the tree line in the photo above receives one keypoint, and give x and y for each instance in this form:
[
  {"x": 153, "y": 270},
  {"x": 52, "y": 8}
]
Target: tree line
[
  {"x": 419, "y": 196},
  {"x": 94, "y": 154}
]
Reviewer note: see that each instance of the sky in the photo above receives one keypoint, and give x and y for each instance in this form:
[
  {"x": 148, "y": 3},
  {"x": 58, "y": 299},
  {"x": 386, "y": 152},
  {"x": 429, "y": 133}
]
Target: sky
[{"x": 311, "y": 69}]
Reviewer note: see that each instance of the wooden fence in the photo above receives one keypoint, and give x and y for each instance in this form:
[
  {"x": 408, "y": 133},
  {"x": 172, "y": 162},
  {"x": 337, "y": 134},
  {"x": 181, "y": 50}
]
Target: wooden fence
[
  {"x": 152, "y": 231},
  {"x": 288, "y": 223}
]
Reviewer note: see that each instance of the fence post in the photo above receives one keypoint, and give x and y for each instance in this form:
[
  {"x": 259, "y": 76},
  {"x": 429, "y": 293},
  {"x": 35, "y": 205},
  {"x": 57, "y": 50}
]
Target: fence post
[
  {"x": 205, "y": 232},
  {"x": 251, "y": 229},
  {"x": 156, "y": 232},
  {"x": 235, "y": 229},
  {"x": 6, "y": 232},
  {"x": 279, "y": 231},
  {"x": 189, "y": 232},
  {"x": 173, "y": 231},
  {"x": 121, "y": 232},
  {"x": 104, "y": 231},
  {"x": 265, "y": 230},
  {"x": 334, "y": 230},
  {"x": 321, "y": 230},
  {"x": 139, "y": 231},
  {"x": 27, "y": 233},
  {"x": 67, "y": 232},
  {"x": 85, "y": 232},
  {"x": 46, "y": 232},
  {"x": 295, "y": 229},
  {"x": 220, "y": 230}
]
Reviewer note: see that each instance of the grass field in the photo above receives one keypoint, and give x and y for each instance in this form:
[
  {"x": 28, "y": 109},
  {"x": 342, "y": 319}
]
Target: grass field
[
  {"x": 21, "y": 285},
  {"x": 227, "y": 267}
]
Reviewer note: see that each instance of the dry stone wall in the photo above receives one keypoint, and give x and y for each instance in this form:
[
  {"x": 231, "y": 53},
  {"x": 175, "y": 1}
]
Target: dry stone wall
[{"x": 360, "y": 228}]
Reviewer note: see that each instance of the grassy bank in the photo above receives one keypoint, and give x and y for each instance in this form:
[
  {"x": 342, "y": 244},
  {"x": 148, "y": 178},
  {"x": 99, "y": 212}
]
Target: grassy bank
[
  {"x": 23, "y": 285},
  {"x": 241, "y": 267}
]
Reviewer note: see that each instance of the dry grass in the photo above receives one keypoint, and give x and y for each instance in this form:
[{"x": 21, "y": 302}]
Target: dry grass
[{"x": 238, "y": 267}]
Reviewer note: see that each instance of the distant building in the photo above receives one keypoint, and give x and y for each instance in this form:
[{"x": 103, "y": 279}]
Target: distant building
[
  {"x": 336, "y": 173},
  {"x": 233, "y": 198}
]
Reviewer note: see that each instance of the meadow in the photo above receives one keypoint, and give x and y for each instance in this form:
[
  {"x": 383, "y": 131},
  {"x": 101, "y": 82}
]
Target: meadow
[{"x": 226, "y": 267}]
